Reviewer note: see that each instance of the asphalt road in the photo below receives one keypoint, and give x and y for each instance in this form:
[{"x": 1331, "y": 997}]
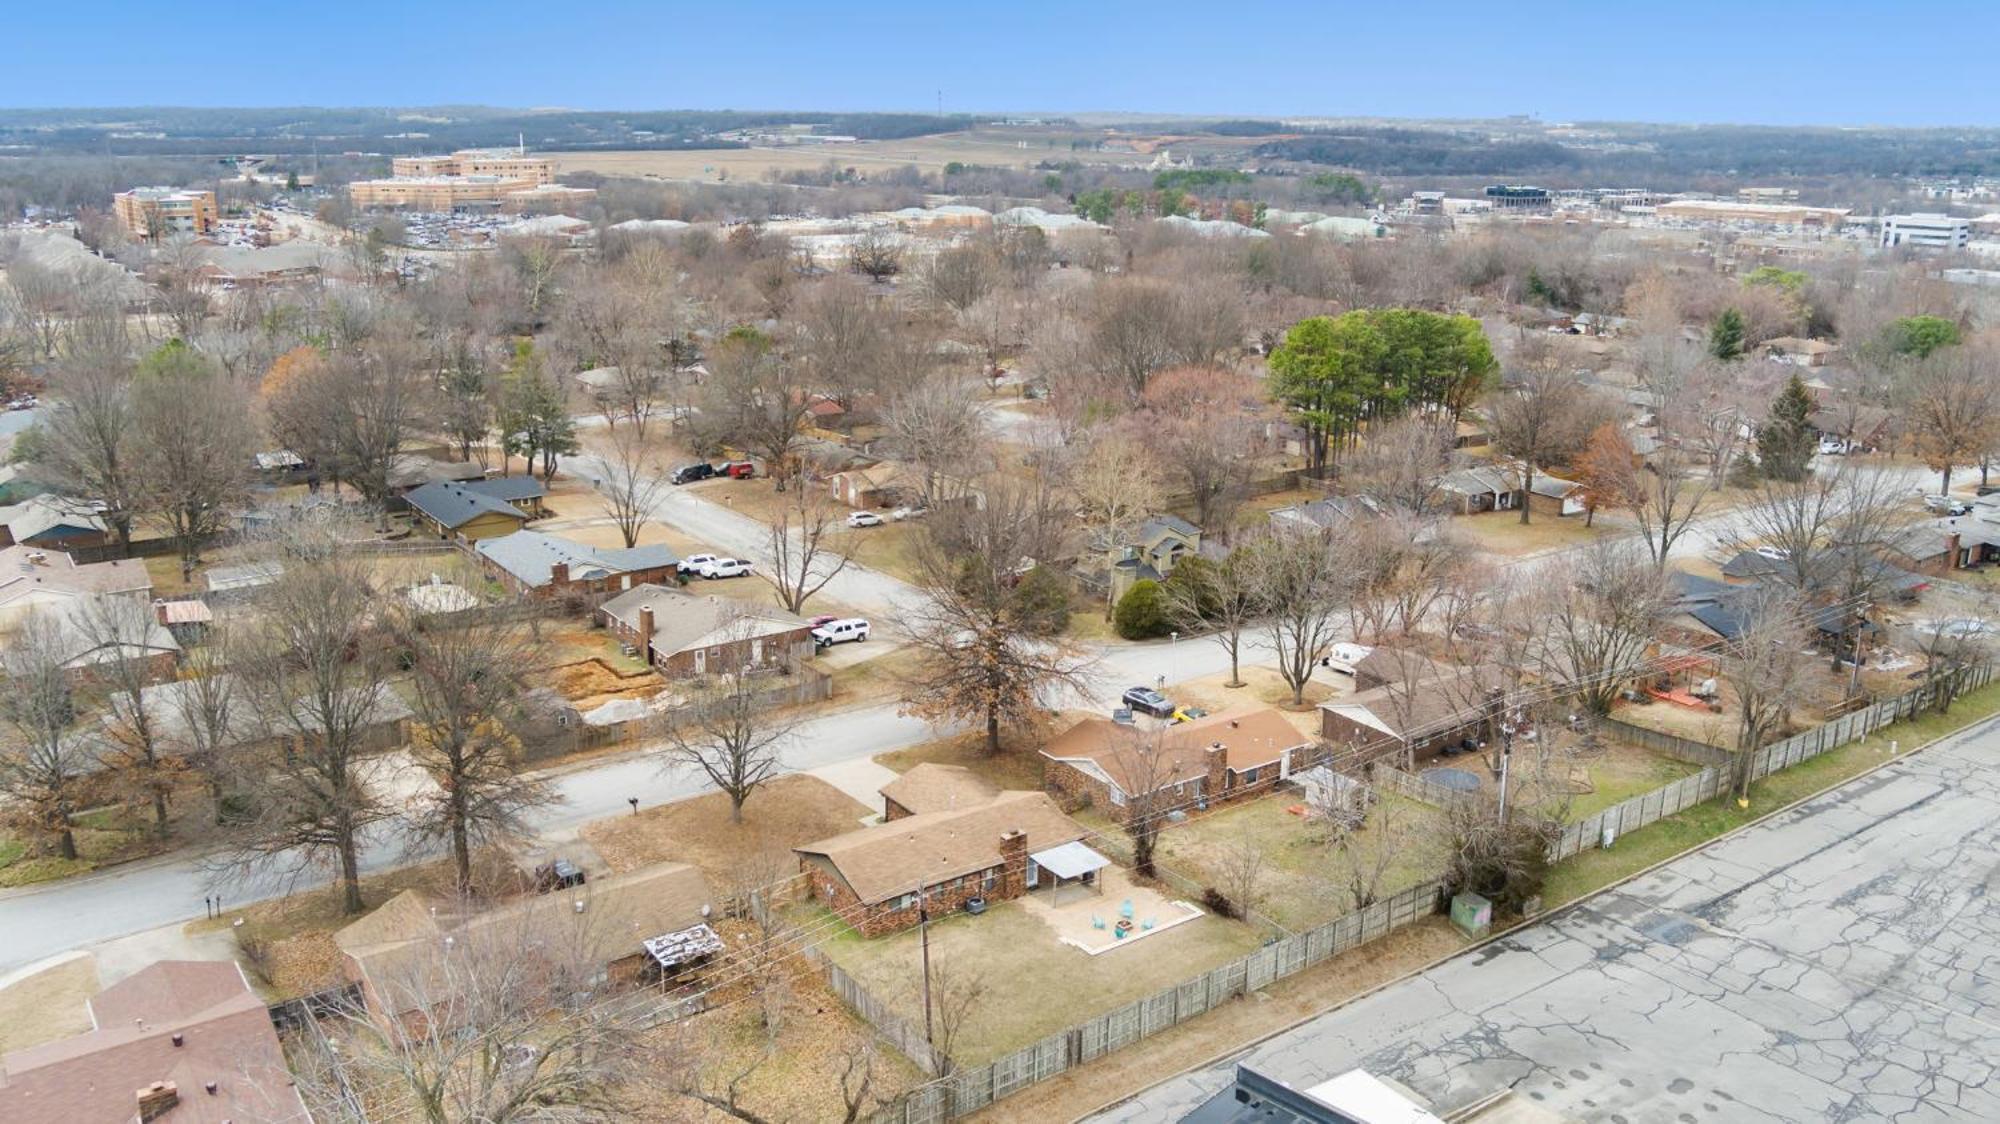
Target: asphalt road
[{"x": 1833, "y": 963}]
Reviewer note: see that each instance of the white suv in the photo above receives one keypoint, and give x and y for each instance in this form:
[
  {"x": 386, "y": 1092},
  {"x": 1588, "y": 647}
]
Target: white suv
[
  {"x": 693, "y": 563},
  {"x": 840, "y": 632},
  {"x": 725, "y": 568}
]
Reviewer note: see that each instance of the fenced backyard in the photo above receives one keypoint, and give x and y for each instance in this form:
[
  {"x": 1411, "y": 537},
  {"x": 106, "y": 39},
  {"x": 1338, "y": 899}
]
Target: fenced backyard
[{"x": 970, "y": 1089}]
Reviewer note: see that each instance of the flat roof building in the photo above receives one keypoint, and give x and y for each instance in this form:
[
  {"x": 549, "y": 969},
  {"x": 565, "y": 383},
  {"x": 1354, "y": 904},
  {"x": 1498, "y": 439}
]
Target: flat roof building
[
  {"x": 507, "y": 163},
  {"x": 1767, "y": 214},
  {"x": 155, "y": 212},
  {"x": 468, "y": 178},
  {"x": 1926, "y": 231}
]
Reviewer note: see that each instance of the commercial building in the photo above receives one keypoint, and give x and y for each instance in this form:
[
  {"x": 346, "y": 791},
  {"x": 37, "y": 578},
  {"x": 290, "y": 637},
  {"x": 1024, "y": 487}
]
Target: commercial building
[
  {"x": 1516, "y": 197},
  {"x": 1926, "y": 231},
  {"x": 505, "y": 163},
  {"x": 1763, "y": 214},
  {"x": 155, "y": 212},
  {"x": 471, "y": 178}
]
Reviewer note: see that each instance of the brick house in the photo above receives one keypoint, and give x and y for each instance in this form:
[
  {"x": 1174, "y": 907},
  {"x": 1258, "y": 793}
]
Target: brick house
[
  {"x": 1470, "y": 491},
  {"x": 540, "y": 565},
  {"x": 876, "y": 877},
  {"x": 931, "y": 787},
  {"x": 1204, "y": 762},
  {"x": 684, "y": 635},
  {"x": 1414, "y": 719}
]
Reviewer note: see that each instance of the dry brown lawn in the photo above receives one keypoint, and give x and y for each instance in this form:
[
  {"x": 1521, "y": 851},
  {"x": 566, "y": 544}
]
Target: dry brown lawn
[
  {"x": 48, "y": 1005},
  {"x": 1017, "y": 766},
  {"x": 1262, "y": 687},
  {"x": 751, "y": 164},
  {"x": 1233, "y": 1026},
  {"x": 1501, "y": 532},
  {"x": 787, "y": 812}
]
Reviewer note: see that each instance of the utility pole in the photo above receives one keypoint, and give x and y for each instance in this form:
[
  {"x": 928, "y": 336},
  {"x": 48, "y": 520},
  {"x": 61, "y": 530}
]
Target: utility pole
[{"x": 924, "y": 933}]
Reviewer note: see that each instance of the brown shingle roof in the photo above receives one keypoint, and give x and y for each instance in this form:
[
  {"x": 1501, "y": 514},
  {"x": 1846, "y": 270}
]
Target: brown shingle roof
[
  {"x": 1423, "y": 707},
  {"x": 226, "y": 1038},
  {"x": 931, "y": 787},
  {"x": 396, "y": 947},
  {"x": 901, "y": 856},
  {"x": 1250, "y": 739}
]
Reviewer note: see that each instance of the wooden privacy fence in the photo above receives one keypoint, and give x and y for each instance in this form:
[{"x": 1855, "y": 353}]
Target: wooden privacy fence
[
  {"x": 969, "y": 1090},
  {"x": 1384, "y": 775},
  {"x": 1674, "y": 746}
]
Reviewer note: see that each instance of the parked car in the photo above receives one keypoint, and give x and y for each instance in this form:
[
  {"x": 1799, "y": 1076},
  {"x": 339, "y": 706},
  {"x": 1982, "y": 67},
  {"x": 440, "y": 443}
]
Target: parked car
[
  {"x": 844, "y": 631},
  {"x": 903, "y": 513},
  {"x": 725, "y": 568},
  {"x": 823, "y": 618},
  {"x": 693, "y": 563},
  {"x": 863, "y": 519},
  {"x": 1946, "y": 505},
  {"x": 689, "y": 473},
  {"x": 737, "y": 470},
  {"x": 558, "y": 874},
  {"x": 1774, "y": 553},
  {"x": 1834, "y": 447},
  {"x": 1344, "y": 656},
  {"x": 1148, "y": 701}
]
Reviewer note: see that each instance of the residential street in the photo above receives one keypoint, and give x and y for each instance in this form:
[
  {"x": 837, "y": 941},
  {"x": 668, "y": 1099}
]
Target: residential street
[{"x": 1834, "y": 963}]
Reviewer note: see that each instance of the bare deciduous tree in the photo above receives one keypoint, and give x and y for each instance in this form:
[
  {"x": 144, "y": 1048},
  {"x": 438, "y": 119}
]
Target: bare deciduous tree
[
  {"x": 1767, "y": 667},
  {"x": 1950, "y": 401},
  {"x": 1544, "y": 420},
  {"x": 1218, "y": 599},
  {"x": 938, "y": 424},
  {"x": 317, "y": 678},
  {"x": 466, "y": 677},
  {"x": 44, "y": 761},
  {"x": 1303, "y": 582},
  {"x": 725, "y": 729},
  {"x": 193, "y": 440},
  {"x": 803, "y": 561},
  {"x": 135, "y": 747},
  {"x": 1603, "y": 616},
  {"x": 633, "y": 483},
  {"x": 1117, "y": 484},
  {"x": 1205, "y": 424},
  {"x": 1399, "y": 465}
]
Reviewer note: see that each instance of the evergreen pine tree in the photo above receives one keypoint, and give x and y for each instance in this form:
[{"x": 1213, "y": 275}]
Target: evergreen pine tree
[
  {"x": 1785, "y": 440},
  {"x": 1725, "y": 339}
]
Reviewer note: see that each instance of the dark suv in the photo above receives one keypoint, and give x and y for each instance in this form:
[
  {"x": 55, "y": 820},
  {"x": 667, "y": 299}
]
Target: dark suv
[
  {"x": 1145, "y": 700},
  {"x": 689, "y": 473}
]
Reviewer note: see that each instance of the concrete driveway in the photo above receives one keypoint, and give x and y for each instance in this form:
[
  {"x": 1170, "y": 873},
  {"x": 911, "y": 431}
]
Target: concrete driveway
[{"x": 1834, "y": 963}]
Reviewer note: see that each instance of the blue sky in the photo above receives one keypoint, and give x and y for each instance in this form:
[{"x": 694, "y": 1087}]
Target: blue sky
[{"x": 1759, "y": 61}]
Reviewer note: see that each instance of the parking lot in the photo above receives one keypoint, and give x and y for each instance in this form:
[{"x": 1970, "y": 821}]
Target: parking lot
[{"x": 1833, "y": 963}]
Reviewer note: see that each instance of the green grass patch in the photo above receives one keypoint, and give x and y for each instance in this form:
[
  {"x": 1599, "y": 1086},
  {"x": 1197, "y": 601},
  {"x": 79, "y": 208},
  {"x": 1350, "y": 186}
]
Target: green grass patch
[{"x": 1593, "y": 870}]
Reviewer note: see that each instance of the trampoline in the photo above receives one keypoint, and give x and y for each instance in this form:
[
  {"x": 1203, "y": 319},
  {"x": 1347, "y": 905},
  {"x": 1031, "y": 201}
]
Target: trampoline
[{"x": 1458, "y": 780}]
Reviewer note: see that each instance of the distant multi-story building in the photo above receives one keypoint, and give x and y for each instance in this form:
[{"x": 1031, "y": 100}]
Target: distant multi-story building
[
  {"x": 154, "y": 212},
  {"x": 1926, "y": 231},
  {"x": 1763, "y": 214},
  {"x": 1515, "y": 197},
  {"x": 468, "y": 179},
  {"x": 503, "y": 162}
]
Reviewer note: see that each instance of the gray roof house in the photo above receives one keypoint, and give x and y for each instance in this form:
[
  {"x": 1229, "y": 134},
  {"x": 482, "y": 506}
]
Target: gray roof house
[
  {"x": 457, "y": 507},
  {"x": 529, "y": 559}
]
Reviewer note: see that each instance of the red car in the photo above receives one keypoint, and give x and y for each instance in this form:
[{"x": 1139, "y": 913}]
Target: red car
[{"x": 737, "y": 470}]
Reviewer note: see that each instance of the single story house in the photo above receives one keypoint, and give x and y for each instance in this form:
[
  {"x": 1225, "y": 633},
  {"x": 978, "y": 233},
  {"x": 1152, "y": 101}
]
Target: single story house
[
  {"x": 878, "y": 485},
  {"x": 450, "y": 511},
  {"x": 685, "y": 635},
  {"x": 876, "y": 877},
  {"x": 1469, "y": 491},
  {"x": 99, "y": 634},
  {"x": 1799, "y": 352},
  {"x": 1412, "y": 720},
  {"x": 1207, "y": 761},
  {"x": 51, "y": 522},
  {"x": 227, "y": 581},
  {"x": 525, "y": 492},
  {"x": 530, "y": 562},
  {"x": 1385, "y": 664},
  {"x": 32, "y": 578},
  {"x": 393, "y": 953},
  {"x": 1552, "y": 495},
  {"x": 1331, "y": 511},
  {"x": 408, "y": 472},
  {"x": 931, "y": 787},
  {"x": 177, "y": 1042}
]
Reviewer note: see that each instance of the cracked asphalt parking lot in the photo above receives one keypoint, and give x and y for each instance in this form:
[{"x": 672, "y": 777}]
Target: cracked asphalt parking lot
[{"x": 1838, "y": 962}]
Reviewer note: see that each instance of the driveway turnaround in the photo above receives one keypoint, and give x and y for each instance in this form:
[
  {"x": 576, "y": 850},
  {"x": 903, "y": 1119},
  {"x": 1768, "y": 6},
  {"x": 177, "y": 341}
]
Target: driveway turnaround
[{"x": 1833, "y": 963}]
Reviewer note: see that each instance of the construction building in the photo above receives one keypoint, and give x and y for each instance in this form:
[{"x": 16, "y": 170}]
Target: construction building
[{"x": 155, "y": 212}]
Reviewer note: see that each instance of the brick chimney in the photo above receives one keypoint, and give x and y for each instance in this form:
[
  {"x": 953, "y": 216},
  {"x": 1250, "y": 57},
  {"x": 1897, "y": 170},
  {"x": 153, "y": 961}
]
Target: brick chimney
[
  {"x": 1013, "y": 865},
  {"x": 646, "y": 633},
  {"x": 558, "y": 574},
  {"x": 158, "y": 1099},
  {"x": 1951, "y": 551},
  {"x": 1217, "y": 756}
]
